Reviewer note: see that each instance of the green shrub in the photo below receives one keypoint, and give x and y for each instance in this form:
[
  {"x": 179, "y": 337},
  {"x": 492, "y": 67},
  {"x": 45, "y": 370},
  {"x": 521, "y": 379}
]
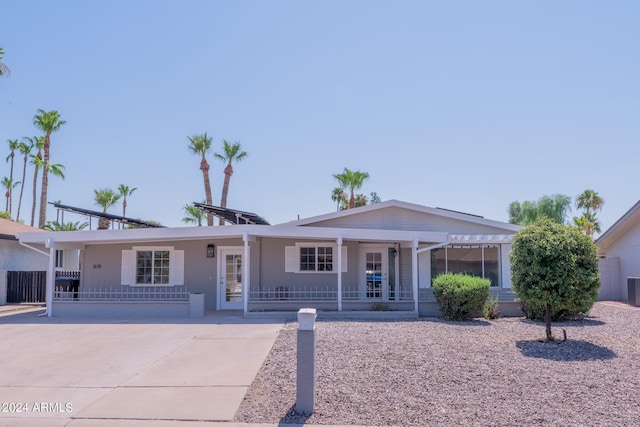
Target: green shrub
[
  {"x": 554, "y": 272},
  {"x": 491, "y": 309},
  {"x": 460, "y": 295}
]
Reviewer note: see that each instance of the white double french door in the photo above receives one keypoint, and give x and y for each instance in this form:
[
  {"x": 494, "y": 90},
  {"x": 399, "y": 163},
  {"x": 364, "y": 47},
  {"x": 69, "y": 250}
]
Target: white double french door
[
  {"x": 230, "y": 280},
  {"x": 374, "y": 273}
]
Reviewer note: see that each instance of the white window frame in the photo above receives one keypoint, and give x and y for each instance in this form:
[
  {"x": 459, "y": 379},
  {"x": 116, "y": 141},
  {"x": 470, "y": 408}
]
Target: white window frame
[
  {"x": 293, "y": 257},
  {"x": 129, "y": 266}
]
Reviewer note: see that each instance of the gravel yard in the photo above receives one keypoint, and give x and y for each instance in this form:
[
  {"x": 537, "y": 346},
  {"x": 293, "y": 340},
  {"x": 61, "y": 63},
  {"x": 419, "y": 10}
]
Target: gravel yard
[{"x": 435, "y": 372}]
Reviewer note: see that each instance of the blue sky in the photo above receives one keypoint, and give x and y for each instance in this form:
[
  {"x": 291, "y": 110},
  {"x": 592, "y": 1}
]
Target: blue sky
[{"x": 464, "y": 105}]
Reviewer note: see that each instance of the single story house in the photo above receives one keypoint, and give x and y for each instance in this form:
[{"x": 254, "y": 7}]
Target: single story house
[
  {"x": 380, "y": 255},
  {"x": 619, "y": 251}
]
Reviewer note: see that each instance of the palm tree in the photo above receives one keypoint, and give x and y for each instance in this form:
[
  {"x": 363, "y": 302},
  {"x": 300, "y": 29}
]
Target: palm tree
[
  {"x": 68, "y": 226},
  {"x": 339, "y": 196},
  {"x": 48, "y": 122},
  {"x": 105, "y": 198},
  {"x": 13, "y": 146},
  {"x": 193, "y": 215},
  {"x": 25, "y": 149},
  {"x": 36, "y": 161},
  {"x": 125, "y": 192},
  {"x": 9, "y": 184},
  {"x": 587, "y": 223},
  {"x": 201, "y": 144},
  {"x": 351, "y": 180},
  {"x": 4, "y": 70},
  {"x": 589, "y": 200},
  {"x": 232, "y": 153}
]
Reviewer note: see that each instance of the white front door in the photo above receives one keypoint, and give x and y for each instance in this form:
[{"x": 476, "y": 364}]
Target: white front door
[
  {"x": 374, "y": 273},
  {"x": 230, "y": 285}
]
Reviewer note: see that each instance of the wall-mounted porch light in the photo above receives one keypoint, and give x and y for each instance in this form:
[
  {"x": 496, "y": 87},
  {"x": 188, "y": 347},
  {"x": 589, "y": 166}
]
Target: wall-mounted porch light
[{"x": 211, "y": 250}]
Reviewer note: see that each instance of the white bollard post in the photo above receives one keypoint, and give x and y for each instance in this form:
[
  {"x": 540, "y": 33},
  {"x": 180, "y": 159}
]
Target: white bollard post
[{"x": 306, "y": 366}]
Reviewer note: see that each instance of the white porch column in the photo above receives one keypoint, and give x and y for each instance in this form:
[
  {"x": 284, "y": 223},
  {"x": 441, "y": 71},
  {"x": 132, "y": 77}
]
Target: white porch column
[
  {"x": 414, "y": 273},
  {"x": 339, "y": 241},
  {"x": 245, "y": 273},
  {"x": 51, "y": 273}
]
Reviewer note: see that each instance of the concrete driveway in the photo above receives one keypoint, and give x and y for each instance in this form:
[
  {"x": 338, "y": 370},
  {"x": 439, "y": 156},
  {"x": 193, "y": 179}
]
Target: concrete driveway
[{"x": 81, "y": 372}]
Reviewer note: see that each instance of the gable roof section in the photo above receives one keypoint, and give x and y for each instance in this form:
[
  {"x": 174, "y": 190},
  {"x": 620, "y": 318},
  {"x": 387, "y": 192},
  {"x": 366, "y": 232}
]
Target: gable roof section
[
  {"x": 9, "y": 229},
  {"x": 445, "y": 214},
  {"x": 620, "y": 227}
]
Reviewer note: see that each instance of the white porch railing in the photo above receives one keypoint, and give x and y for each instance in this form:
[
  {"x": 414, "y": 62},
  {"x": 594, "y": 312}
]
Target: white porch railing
[
  {"x": 135, "y": 294},
  {"x": 325, "y": 293}
]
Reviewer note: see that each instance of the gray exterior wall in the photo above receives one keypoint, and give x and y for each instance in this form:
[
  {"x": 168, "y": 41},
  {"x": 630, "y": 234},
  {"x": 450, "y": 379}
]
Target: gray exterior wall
[
  {"x": 626, "y": 249},
  {"x": 200, "y": 272},
  {"x": 394, "y": 218},
  {"x": 15, "y": 257}
]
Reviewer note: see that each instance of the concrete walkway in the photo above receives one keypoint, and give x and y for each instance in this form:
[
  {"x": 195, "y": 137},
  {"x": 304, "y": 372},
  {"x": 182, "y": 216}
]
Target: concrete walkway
[{"x": 152, "y": 372}]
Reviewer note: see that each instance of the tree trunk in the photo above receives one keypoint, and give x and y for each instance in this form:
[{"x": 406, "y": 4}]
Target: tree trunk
[
  {"x": 35, "y": 194},
  {"x": 45, "y": 182},
  {"x": 204, "y": 167},
  {"x": 24, "y": 175},
  {"x": 104, "y": 223},
  {"x": 547, "y": 319},
  {"x": 228, "y": 171}
]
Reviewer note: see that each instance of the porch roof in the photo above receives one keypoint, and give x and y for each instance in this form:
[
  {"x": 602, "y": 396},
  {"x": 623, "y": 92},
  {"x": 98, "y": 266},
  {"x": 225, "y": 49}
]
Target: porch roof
[{"x": 77, "y": 239}]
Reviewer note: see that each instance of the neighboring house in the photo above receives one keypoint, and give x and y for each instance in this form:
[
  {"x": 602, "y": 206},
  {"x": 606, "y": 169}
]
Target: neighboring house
[
  {"x": 17, "y": 257},
  {"x": 619, "y": 250},
  {"x": 387, "y": 253}
]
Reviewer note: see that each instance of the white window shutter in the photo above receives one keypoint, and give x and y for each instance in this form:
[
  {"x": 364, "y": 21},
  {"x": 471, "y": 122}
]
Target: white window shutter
[
  {"x": 291, "y": 259},
  {"x": 176, "y": 268},
  {"x": 344, "y": 259},
  {"x": 128, "y": 268}
]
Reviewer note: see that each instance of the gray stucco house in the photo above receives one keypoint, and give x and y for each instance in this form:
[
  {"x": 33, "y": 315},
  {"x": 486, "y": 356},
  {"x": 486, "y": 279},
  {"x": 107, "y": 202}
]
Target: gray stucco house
[{"x": 383, "y": 253}]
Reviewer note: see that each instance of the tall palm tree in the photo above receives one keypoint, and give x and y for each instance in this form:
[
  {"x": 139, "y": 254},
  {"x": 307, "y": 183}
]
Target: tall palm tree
[
  {"x": 105, "y": 198},
  {"x": 590, "y": 201},
  {"x": 587, "y": 223},
  {"x": 9, "y": 184},
  {"x": 4, "y": 70},
  {"x": 25, "y": 148},
  {"x": 232, "y": 153},
  {"x": 201, "y": 144},
  {"x": 351, "y": 180},
  {"x": 125, "y": 192},
  {"x": 48, "y": 122},
  {"x": 193, "y": 215},
  {"x": 36, "y": 161}
]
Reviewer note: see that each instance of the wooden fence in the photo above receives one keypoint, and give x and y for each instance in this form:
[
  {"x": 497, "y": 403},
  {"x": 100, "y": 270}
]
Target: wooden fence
[{"x": 26, "y": 286}]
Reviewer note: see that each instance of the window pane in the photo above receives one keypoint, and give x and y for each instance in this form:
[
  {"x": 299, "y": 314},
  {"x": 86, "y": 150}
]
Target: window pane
[
  {"x": 307, "y": 259},
  {"x": 143, "y": 267},
  {"x": 325, "y": 259},
  {"x": 491, "y": 265},
  {"x": 438, "y": 266},
  {"x": 161, "y": 267},
  {"x": 466, "y": 260}
]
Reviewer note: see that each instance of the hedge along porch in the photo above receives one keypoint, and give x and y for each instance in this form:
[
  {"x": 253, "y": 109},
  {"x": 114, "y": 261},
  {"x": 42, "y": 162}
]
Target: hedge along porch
[{"x": 385, "y": 253}]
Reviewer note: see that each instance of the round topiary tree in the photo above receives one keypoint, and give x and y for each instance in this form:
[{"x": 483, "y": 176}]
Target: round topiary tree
[{"x": 554, "y": 271}]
